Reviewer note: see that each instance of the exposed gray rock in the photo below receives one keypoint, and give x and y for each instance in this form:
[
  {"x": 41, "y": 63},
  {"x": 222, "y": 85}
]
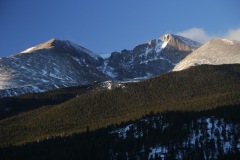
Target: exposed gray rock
[
  {"x": 56, "y": 64},
  {"x": 51, "y": 65},
  {"x": 153, "y": 58}
]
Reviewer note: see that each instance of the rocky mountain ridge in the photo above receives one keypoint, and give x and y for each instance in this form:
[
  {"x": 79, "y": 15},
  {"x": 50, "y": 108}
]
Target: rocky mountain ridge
[
  {"x": 53, "y": 64},
  {"x": 61, "y": 63},
  {"x": 146, "y": 60}
]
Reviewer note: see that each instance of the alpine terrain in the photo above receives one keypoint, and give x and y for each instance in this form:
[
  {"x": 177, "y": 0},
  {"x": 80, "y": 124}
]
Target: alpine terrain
[
  {"x": 61, "y": 63},
  {"x": 215, "y": 52},
  {"x": 171, "y": 116},
  {"x": 146, "y": 60},
  {"x": 53, "y": 64},
  {"x": 91, "y": 111}
]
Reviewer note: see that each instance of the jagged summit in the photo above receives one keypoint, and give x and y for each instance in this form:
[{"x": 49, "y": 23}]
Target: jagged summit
[
  {"x": 167, "y": 37},
  {"x": 181, "y": 43},
  {"x": 215, "y": 52},
  {"x": 178, "y": 42},
  {"x": 60, "y": 46},
  {"x": 149, "y": 59},
  {"x": 46, "y": 45},
  {"x": 62, "y": 63}
]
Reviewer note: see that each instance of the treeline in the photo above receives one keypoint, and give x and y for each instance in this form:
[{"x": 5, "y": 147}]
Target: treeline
[
  {"x": 10, "y": 106},
  {"x": 176, "y": 135},
  {"x": 195, "y": 89}
]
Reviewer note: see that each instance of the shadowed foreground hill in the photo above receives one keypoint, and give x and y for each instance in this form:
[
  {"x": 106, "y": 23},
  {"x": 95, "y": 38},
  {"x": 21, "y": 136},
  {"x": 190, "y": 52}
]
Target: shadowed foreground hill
[
  {"x": 10, "y": 106},
  {"x": 198, "y": 88}
]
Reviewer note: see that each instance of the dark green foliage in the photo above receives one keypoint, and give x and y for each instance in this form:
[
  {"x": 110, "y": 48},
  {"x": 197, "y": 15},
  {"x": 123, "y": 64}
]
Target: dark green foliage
[
  {"x": 10, "y": 106},
  {"x": 170, "y": 130},
  {"x": 195, "y": 89}
]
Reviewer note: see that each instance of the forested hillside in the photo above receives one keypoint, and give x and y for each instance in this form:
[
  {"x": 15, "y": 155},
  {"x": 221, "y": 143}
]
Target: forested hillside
[
  {"x": 212, "y": 134},
  {"x": 10, "y": 106},
  {"x": 195, "y": 89}
]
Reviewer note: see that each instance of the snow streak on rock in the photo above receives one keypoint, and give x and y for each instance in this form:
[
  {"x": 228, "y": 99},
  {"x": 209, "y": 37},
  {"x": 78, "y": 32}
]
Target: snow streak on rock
[
  {"x": 153, "y": 58},
  {"x": 57, "y": 64},
  {"x": 53, "y": 64}
]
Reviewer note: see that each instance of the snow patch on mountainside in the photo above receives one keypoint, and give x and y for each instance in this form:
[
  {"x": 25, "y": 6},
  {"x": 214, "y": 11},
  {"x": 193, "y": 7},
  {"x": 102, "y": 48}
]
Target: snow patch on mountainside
[
  {"x": 28, "y": 50},
  {"x": 164, "y": 44},
  {"x": 61, "y": 63},
  {"x": 107, "y": 69},
  {"x": 152, "y": 58},
  {"x": 50, "y": 65}
]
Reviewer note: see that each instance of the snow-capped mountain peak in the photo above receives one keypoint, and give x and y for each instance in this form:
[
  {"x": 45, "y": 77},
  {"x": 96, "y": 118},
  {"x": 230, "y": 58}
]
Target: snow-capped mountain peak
[
  {"x": 152, "y": 58},
  {"x": 62, "y": 63},
  {"x": 52, "y": 64},
  {"x": 180, "y": 42},
  {"x": 61, "y": 46},
  {"x": 166, "y": 37},
  {"x": 46, "y": 45},
  {"x": 214, "y": 52}
]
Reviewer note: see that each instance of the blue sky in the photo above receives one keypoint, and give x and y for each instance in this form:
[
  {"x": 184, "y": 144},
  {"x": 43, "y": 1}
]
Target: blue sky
[{"x": 104, "y": 26}]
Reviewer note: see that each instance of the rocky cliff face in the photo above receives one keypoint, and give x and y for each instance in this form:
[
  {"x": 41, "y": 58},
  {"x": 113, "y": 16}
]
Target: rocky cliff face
[
  {"x": 215, "y": 52},
  {"x": 57, "y": 64},
  {"x": 53, "y": 64},
  {"x": 155, "y": 57}
]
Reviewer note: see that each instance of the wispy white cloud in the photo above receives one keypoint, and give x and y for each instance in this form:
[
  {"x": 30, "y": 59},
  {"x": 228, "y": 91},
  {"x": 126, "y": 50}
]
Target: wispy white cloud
[
  {"x": 233, "y": 34},
  {"x": 197, "y": 34},
  {"x": 200, "y": 35}
]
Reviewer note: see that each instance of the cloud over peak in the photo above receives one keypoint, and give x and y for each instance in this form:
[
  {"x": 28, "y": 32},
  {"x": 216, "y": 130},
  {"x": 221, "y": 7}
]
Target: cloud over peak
[
  {"x": 233, "y": 34},
  {"x": 200, "y": 35},
  {"x": 197, "y": 34}
]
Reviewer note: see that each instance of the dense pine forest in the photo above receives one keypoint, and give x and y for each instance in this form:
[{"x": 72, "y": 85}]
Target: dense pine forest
[
  {"x": 212, "y": 134},
  {"x": 211, "y": 87},
  {"x": 11, "y": 106},
  {"x": 192, "y": 114}
]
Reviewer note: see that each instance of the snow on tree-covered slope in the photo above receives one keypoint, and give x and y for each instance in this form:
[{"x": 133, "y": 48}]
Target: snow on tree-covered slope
[
  {"x": 50, "y": 65},
  {"x": 215, "y": 52},
  {"x": 208, "y": 134},
  {"x": 153, "y": 58}
]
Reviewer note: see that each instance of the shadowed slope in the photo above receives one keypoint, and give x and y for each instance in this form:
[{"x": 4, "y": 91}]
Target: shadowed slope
[{"x": 198, "y": 88}]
